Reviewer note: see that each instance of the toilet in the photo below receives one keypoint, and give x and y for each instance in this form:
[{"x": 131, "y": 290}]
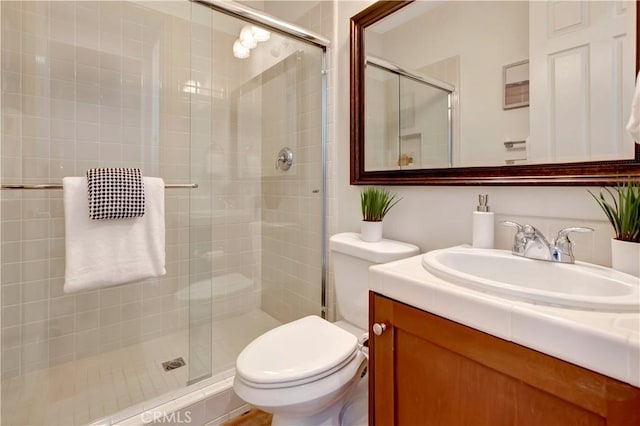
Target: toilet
[{"x": 305, "y": 372}]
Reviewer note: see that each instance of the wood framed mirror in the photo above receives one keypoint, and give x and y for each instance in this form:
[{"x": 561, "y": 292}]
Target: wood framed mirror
[{"x": 403, "y": 170}]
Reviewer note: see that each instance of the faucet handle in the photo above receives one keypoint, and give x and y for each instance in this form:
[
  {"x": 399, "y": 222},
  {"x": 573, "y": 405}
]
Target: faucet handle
[
  {"x": 516, "y": 225},
  {"x": 519, "y": 239},
  {"x": 563, "y": 233},
  {"x": 563, "y": 250}
]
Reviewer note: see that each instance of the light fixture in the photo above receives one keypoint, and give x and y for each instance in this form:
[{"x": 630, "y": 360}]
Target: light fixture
[
  {"x": 250, "y": 35},
  {"x": 246, "y": 37},
  {"x": 239, "y": 51},
  {"x": 260, "y": 34}
]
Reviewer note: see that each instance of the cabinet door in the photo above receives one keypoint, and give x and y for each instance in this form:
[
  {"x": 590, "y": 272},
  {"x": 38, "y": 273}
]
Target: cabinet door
[{"x": 426, "y": 370}]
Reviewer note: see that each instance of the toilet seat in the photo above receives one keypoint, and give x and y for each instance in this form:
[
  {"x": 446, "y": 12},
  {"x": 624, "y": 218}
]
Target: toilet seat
[
  {"x": 296, "y": 353},
  {"x": 302, "y": 381}
]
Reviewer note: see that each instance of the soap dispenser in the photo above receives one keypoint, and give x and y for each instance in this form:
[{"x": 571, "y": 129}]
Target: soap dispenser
[{"x": 483, "y": 223}]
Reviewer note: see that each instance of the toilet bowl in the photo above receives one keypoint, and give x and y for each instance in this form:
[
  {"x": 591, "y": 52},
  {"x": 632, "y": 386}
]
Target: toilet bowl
[{"x": 305, "y": 372}]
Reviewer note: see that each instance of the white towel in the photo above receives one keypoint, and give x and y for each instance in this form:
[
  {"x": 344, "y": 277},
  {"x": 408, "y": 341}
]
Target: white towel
[
  {"x": 104, "y": 253},
  {"x": 633, "y": 126}
]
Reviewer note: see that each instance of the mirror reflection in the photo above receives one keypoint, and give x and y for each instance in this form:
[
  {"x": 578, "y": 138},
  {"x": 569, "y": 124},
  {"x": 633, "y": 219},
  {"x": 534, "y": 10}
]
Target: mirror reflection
[
  {"x": 408, "y": 123},
  {"x": 494, "y": 83}
]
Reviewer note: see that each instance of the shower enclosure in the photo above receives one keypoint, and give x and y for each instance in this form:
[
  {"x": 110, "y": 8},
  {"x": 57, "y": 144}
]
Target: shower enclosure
[{"x": 175, "y": 89}]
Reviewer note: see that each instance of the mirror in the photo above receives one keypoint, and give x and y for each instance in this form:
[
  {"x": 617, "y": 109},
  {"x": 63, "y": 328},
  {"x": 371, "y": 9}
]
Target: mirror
[{"x": 464, "y": 92}]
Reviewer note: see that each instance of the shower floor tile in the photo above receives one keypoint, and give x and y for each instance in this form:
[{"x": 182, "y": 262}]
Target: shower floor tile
[{"x": 81, "y": 391}]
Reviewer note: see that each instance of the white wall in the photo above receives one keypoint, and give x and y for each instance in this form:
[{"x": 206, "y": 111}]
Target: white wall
[{"x": 437, "y": 217}]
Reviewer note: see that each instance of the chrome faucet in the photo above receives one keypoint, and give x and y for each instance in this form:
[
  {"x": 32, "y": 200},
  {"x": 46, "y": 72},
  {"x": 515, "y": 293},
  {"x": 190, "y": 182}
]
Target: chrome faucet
[{"x": 530, "y": 242}]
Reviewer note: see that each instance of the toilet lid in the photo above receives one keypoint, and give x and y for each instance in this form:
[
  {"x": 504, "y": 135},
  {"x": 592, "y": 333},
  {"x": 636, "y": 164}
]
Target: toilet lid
[{"x": 297, "y": 350}]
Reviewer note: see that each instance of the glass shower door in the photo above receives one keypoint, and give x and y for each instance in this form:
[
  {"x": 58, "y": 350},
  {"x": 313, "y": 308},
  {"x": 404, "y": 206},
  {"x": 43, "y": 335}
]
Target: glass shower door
[{"x": 266, "y": 223}]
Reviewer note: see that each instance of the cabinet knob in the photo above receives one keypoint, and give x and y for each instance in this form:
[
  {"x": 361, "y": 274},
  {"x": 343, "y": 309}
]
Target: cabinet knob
[{"x": 378, "y": 329}]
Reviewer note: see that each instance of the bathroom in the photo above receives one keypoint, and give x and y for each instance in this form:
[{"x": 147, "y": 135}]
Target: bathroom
[{"x": 428, "y": 216}]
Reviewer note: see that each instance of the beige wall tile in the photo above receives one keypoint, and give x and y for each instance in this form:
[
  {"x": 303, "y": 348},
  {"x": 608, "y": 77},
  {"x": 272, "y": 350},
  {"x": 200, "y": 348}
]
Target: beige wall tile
[
  {"x": 60, "y": 306},
  {"x": 61, "y": 346},
  {"x": 34, "y": 311},
  {"x": 11, "y": 315},
  {"x": 35, "y": 353}
]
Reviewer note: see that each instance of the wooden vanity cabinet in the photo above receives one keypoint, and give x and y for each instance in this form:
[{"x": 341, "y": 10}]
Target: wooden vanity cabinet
[{"x": 426, "y": 370}]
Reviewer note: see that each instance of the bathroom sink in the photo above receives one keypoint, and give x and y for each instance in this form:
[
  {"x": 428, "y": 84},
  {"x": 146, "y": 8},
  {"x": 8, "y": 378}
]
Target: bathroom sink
[{"x": 580, "y": 285}]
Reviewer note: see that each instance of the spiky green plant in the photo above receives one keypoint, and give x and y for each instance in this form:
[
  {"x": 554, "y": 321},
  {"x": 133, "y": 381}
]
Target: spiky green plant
[
  {"x": 376, "y": 203},
  {"x": 621, "y": 204}
]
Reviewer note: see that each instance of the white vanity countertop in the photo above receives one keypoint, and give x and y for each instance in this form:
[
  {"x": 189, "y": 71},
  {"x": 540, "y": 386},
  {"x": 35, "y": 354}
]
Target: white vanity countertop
[{"x": 605, "y": 342}]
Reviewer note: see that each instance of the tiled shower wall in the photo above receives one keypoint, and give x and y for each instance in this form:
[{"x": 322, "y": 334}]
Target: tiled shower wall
[{"x": 88, "y": 84}]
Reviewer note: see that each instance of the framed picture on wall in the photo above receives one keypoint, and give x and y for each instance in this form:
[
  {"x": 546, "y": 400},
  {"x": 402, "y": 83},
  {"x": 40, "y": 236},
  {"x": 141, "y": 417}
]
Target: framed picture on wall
[{"x": 515, "y": 87}]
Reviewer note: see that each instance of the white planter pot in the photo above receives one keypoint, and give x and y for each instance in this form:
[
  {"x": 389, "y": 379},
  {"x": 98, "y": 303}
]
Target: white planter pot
[
  {"x": 370, "y": 231},
  {"x": 625, "y": 257}
]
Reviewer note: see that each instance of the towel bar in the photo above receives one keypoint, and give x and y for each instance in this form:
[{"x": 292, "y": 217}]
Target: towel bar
[{"x": 59, "y": 186}]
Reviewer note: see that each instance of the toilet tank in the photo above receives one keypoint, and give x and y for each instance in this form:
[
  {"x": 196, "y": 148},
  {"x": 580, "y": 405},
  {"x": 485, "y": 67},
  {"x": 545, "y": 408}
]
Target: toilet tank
[{"x": 351, "y": 260}]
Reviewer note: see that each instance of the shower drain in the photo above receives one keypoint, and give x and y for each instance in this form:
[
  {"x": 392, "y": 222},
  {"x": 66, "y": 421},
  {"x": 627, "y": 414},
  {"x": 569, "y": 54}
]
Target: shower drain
[{"x": 173, "y": 364}]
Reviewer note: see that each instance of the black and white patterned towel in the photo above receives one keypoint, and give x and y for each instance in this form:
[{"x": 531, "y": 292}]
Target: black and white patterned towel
[{"x": 115, "y": 193}]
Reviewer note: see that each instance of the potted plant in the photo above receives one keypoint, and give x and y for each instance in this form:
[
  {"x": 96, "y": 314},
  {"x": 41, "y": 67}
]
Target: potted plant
[
  {"x": 375, "y": 203},
  {"x": 621, "y": 205}
]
